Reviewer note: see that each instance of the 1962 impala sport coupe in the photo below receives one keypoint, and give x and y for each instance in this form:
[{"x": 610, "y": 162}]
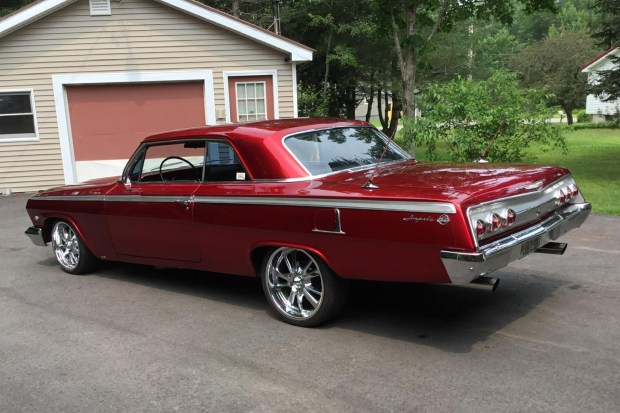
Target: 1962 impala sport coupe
[{"x": 307, "y": 204}]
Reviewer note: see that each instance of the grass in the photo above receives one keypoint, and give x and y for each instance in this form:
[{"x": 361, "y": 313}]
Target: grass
[{"x": 593, "y": 158}]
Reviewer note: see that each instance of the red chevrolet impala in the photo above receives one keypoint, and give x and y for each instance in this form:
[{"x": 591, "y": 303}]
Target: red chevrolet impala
[{"x": 307, "y": 204}]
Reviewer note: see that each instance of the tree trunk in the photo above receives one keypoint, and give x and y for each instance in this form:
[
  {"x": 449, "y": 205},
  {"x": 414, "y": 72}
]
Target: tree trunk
[
  {"x": 370, "y": 102},
  {"x": 350, "y": 103},
  {"x": 569, "y": 115},
  {"x": 380, "y": 110},
  {"x": 235, "y": 8}
]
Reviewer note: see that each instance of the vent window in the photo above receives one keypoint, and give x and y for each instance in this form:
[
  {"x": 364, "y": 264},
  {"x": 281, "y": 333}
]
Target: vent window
[{"x": 100, "y": 8}]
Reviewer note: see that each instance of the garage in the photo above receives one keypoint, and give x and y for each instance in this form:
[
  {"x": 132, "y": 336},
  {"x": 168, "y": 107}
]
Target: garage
[{"x": 108, "y": 121}]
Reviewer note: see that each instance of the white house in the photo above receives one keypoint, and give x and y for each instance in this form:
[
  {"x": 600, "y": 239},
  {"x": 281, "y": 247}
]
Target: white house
[{"x": 598, "y": 109}]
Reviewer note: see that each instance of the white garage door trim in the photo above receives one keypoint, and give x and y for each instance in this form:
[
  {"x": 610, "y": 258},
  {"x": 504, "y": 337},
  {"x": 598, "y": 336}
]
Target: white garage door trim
[{"x": 62, "y": 107}]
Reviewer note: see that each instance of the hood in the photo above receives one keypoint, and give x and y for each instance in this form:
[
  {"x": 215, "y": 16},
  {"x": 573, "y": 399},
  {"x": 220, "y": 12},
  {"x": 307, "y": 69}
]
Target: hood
[
  {"x": 439, "y": 181},
  {"x": 99, "y": 186}
]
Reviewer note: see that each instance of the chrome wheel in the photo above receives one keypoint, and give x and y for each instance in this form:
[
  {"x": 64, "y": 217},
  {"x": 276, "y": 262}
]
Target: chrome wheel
[
  {"x": 66, "y": 245},
  {"x": 71, "y": 253},
  {"x": 300, "y": 288},
  {"x": 294, "y": 283}
]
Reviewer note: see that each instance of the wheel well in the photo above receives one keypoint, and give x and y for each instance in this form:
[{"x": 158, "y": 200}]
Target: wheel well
[
  {"x": 257, "y": 257},
  {"x": 47, "y": 228}
]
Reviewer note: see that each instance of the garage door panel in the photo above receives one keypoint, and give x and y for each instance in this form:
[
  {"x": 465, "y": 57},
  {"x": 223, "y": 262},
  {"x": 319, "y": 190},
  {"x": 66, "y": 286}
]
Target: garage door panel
[{"x": 108, "y": 121}]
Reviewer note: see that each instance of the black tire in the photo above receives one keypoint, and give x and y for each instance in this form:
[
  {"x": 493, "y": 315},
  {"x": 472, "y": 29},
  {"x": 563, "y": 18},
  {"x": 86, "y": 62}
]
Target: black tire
[
  {"x": 300, "y": 288},
  {"x": 70, "y": 251}
]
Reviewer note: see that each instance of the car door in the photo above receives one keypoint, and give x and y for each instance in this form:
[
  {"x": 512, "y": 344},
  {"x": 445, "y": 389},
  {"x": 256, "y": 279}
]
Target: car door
[{"x": 150, "y": 215}]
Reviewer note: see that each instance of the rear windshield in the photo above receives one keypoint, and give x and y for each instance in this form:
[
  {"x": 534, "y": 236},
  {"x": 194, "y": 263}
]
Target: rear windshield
[{"x": 330, "y": 150}]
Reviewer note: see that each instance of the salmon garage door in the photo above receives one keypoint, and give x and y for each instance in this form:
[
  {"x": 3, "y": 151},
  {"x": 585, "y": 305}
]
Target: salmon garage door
[{"x": 108, "y": 121}]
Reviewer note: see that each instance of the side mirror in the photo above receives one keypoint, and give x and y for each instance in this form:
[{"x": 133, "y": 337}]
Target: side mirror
[{"x": 127, "y": 183}]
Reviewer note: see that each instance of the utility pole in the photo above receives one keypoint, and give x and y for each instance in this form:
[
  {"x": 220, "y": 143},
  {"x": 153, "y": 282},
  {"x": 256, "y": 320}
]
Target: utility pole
[{"x": 276, "y": 16}]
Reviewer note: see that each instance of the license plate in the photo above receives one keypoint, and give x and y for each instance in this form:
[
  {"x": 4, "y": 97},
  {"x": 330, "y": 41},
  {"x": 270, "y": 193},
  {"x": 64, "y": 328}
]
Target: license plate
[{"x": 530, "y": 246}]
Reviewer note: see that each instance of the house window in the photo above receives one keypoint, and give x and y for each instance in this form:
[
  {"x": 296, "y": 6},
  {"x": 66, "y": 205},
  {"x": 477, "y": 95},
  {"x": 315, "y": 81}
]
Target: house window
[
  {"x": 251, "y": 103},
  {"x": 17, "y": 116}
]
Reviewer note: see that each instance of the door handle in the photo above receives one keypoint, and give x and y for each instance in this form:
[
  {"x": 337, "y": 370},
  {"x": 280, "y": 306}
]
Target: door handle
[{"x": 185, "y": 203}]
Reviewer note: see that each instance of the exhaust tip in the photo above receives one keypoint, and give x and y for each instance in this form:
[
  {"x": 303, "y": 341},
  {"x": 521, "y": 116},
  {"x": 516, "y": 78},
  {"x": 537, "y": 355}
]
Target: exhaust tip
[{"x": 485, "y": 283}]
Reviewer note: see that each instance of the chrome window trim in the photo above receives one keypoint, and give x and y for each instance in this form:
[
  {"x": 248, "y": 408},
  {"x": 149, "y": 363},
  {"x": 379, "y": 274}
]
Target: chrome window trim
[{"x": 406, "y": 156}]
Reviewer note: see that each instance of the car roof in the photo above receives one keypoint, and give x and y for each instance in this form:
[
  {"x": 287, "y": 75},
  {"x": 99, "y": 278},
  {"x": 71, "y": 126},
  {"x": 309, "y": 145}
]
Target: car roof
[
  {"x": 262, "y": 129},
  {"x": 259, "y": 144}
]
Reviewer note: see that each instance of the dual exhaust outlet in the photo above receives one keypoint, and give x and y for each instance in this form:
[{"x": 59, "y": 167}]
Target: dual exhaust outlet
[{"x": 491, "y": 284}]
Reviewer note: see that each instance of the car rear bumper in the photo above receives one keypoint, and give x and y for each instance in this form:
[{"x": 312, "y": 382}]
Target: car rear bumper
[
  {"x": 462, "y": 268},
  {"x": 36, "y": 236}
]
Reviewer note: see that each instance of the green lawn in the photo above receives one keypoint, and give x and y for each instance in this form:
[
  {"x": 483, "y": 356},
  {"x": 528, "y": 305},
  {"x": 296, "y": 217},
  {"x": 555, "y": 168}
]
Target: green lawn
[{"x": 594, "y": 160}]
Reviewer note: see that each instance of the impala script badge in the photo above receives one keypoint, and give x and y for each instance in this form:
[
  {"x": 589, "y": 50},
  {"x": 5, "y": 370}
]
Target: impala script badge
[{"x": 443, "y": 219}]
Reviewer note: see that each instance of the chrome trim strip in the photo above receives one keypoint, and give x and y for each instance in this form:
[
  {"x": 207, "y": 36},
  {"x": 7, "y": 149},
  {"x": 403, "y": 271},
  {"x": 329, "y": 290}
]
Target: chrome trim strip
[
  {"x": 338, "y": 229},
  {"x": 404, "y": 206},
  {"x": 148, "y": 198},
  {"x": 89, "y": 198},
  {"x": 463, "y": 267}
]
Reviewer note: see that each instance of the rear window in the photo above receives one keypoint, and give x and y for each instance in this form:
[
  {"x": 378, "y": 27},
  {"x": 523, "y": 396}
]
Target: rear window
[{"x": 331, "y": 150}]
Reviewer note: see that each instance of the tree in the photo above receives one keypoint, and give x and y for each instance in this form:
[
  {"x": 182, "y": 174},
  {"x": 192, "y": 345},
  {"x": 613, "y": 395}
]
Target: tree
[
  {"x": 412, "y": 24},
  {"x": 494, "y": 118},
  {"x": 607, "y": 87},
  {"x": 554, "y": 63},
  {"x": 9, "y": 6}
]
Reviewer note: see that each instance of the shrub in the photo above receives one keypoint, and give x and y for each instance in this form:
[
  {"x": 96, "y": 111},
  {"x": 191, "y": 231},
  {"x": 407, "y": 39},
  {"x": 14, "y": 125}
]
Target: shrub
[
  {"x": 495, "y": 117},
  {"x": 582, "y": 116}
]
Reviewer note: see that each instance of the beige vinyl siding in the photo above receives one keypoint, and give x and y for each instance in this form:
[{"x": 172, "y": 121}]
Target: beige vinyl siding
[{"x": 139, "y": 36}]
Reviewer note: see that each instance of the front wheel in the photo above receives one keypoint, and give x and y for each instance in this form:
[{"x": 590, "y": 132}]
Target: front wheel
[
  {"x": 70, "y": 251},
  {"x": 301, "y": 288}
]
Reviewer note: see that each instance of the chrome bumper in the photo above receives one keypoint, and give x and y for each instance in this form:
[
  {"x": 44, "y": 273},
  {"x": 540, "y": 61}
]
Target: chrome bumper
[
  {"x": 462, "y": 267},
  {"x": 36, "y": 236}
]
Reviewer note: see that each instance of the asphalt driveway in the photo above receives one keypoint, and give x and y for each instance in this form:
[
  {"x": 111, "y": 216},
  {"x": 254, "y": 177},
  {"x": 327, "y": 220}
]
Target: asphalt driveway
[{"x": 132, "y": 338}]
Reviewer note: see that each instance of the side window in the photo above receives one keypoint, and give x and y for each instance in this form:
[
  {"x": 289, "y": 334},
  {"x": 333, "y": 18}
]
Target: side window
[
  {"x": 175, "y": 162},
  {"x": 17, "y": 117},
  {"x": 222, "y": 164}
]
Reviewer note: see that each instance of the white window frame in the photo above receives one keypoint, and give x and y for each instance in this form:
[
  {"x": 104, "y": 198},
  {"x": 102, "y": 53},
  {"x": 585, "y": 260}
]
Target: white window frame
[
  {"x": 256, "y": 99},
  {"x": 253, "y": 73},
  {"x": 22, "y": 137}
]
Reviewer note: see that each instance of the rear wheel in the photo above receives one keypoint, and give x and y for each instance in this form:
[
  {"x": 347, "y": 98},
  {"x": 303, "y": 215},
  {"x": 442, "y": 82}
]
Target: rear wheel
[
  {"x": 70, "y": 251},
  {"x": 301, "y": 288}
]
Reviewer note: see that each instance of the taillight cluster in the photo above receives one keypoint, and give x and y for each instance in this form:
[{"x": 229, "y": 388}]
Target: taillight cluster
[
  {"x": 563, "y": 195},
  {"x": 495, "y": 221}
]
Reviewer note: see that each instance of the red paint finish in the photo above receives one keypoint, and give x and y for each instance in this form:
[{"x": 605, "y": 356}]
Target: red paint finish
[
  {"x": 218, "y": 226},
  {"x": 108, "y": 121}
]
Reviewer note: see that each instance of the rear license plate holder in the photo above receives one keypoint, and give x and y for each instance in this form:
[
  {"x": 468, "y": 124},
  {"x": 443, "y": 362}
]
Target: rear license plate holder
[{"x": 530, "y": 246}]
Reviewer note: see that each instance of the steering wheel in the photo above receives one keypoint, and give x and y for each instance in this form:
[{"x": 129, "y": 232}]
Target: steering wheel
[{"x": 161, "y": 165}]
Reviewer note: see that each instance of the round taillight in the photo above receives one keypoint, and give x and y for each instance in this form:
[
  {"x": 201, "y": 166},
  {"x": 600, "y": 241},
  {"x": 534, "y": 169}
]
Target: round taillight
[
  {"x": 496, "y": 222},
  {"x": 562, "y": 196},
  {"x": 574, "y": 191},
  {"x": 511, "y": 217},
  {"x": 481, "y": 228}
]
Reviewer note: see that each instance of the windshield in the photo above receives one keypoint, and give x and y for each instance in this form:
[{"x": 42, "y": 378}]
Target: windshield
[{"x": 331, "y": 150}]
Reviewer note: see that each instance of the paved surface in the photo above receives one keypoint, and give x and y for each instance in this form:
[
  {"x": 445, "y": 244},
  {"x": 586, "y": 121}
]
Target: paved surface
[{"x": 133, "y": 339}]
